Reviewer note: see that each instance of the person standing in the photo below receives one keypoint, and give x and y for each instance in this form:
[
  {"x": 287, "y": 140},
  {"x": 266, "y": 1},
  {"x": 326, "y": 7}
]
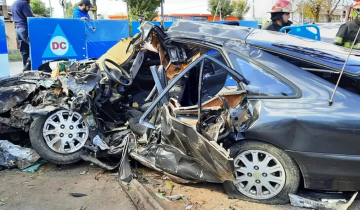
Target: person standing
[
  {"x": 82, "y": 11},
  {"x": 280, "y": 15},
  {"x": 21, "y": 11},
  {"x": 347, "y": 31}
]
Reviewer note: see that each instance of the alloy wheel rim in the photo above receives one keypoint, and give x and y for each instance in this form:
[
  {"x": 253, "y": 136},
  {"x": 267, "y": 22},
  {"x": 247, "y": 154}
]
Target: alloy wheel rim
[
  {"x": 259, "y": 175},
  {"x": 65, "y": 132}
]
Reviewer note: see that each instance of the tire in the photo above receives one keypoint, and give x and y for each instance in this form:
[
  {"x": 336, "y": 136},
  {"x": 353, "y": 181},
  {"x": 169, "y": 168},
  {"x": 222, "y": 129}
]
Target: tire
[
  {"x": 40, "y": 146},
  {"x": 289, "y": 174}
]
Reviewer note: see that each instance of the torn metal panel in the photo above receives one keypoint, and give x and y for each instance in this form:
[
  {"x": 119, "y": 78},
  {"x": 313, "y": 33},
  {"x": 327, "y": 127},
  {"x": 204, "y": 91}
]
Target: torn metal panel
[
  {"x": 337, "y": 204},
  {"x": 86, "y": 82},
  {"x": 13, "y": 155},
  {"x": 40, "y": 110},
  {"x": 17, "y": 119},
  {"x": 99, "y": 163},
  {"x": 13, "y": 95},
  {"x": 188, "y": 149}
]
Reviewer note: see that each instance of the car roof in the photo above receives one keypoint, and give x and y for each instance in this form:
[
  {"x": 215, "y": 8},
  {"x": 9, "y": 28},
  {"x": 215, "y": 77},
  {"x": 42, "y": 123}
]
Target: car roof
[
  {"x": 315, "y": 51},
  {"x": 207, "y": 31},
  {"x": 324, "y": 54}
]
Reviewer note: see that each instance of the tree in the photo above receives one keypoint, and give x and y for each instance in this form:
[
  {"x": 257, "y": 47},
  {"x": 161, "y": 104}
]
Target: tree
[
  {"x": 147, "y": 8},
  {"x": 312, "y": 8},
  {"x": 329, "y": 7},
  {"x": 70, "y": 9},
  {"x": 223, "y": 8},
  {"x": 241, "y": 7},
  {"x": 38, "y": 7}
]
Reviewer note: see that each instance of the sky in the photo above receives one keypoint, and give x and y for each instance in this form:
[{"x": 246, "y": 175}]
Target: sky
[{"x": 112, "y": 7}]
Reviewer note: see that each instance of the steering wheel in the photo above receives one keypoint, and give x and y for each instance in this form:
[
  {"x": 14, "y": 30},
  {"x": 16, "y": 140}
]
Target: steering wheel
[{"x": 115, "y": 75}]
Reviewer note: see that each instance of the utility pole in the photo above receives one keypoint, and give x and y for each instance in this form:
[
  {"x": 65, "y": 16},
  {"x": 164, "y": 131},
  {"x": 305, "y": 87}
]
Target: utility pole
[
  {"x": 94, "y": 9},
  {"x": 303, "y": 9},
  {"x": 254, "y": 9},
  {"x": 65, "y": 6},
  {"x": 50, "y": 8},
  {"x": 216, "y": 10},
  {"x": 220, "y": 12},
  {"x": 162, "y": 14}
]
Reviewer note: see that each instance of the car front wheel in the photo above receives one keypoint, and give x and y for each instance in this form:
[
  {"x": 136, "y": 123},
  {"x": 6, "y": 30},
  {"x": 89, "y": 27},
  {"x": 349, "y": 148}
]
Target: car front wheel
[
  {"x": 60, "y": 136},
  {"x": 263, "y": 173}
]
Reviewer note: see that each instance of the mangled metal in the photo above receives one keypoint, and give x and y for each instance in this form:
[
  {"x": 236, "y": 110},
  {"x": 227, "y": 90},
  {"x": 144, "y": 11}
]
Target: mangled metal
[
  {"x": 15, "y": 156},
  {"x": 324, "y": 204}
]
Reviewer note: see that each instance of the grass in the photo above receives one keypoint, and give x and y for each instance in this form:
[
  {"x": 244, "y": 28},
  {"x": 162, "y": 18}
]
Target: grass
[{"x": 15, "y": 57}]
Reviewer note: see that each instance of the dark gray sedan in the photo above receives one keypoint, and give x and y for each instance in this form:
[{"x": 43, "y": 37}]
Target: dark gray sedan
[{"x": 253, "y": 113}]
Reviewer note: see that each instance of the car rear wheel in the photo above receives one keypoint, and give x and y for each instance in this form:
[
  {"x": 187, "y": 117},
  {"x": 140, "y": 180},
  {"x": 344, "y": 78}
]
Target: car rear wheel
[
  {"x": 60, "y": 136},
  {"x": 263, "y": 173}
]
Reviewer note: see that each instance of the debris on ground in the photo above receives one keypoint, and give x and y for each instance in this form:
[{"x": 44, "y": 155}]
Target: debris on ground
[
  {"x": 151, "y": 181},
  {"x": 35, "y": 167},
  {"x": 3, "y": 201},
  {"x": 77, "y": 195},
  {"x": 99, "y": 175},
  {"x": 82, "y": 208},
  {"x": 12, "y": 156},
  {"x": 331, "y": 204},
  {"x": 179, "y": 197},
  {"x": 99, "y": 163},
  {"x": 171, "y": 186}
]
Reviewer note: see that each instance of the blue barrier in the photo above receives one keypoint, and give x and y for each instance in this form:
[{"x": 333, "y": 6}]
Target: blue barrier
[
  {"x": 74, "y": 39},
  {"x": 4, "y": 57},
  {"x": 101, "y": 35},
  {"x": 303, "y": 31}
]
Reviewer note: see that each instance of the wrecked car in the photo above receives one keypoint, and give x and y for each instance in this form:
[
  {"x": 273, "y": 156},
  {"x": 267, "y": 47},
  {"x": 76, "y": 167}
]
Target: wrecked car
[
  {"x": 221, "y": 106},
  {"x": 251, "y": 115}
]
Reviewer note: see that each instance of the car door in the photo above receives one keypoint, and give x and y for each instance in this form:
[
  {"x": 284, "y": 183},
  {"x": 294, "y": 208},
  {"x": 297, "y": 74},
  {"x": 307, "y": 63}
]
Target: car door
[{"x": 189, "y": 144}]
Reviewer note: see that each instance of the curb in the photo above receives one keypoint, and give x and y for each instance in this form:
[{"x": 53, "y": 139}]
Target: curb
[{"x": 140, "y": 196}]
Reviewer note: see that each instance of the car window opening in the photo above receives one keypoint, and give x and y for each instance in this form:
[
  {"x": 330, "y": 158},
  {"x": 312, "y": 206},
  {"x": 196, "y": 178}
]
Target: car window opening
[{"x": 348, "y": 82}]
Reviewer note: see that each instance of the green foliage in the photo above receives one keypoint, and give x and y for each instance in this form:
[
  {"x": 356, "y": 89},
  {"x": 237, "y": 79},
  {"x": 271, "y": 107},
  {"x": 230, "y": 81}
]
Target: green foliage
[
  {"x": 224, "y": 8},
  {"x": 38, "y": 7},
  {"x": 147, "y": 8},
  {"x": 312, "y": 8},
  {"x": 70, "y": 9},
  {"x": 241, "y": 7}
]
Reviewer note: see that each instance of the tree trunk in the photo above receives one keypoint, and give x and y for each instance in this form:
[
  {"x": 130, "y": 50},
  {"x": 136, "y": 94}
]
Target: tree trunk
[
  {"x": 317, "y": 13},
  {"x": 332, "y": 11}
]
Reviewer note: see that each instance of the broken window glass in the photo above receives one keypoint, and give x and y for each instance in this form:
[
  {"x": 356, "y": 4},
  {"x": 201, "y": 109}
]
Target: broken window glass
[{"x": 260, "y": 82}]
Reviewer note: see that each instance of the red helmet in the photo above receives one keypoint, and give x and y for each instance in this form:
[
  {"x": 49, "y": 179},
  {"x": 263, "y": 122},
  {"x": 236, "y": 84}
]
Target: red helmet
[
  {"x": 356, "y": 5},
  {"x": 282, "y": 6}
]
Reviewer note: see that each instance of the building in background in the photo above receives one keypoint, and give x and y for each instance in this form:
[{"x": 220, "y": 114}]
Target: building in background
[{"x": 172, "y": 17}]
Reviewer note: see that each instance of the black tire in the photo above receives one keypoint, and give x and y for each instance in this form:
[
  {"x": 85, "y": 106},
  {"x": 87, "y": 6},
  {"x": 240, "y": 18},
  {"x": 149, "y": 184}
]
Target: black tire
[
  {"x": 40, "y": 146},
  {"x": 292, "y": 177}
]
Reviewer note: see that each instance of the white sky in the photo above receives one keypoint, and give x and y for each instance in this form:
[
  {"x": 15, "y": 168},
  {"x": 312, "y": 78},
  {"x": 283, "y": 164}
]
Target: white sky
[{"x": 112, "y": 7}]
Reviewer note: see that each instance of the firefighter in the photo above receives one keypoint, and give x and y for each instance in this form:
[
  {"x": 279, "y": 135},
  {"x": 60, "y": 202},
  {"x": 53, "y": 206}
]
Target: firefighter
[
  {"x": 280, "y": 15},
  {"x": 347, "y": 32}
]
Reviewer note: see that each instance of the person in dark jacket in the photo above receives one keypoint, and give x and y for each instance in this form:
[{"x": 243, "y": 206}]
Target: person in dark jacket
[
  {"x": 82, "y": 11},
  {"x": 21, "y": 11},
  {"x": 280, "y": 15},
  {"x": 347, "y": 31}
]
